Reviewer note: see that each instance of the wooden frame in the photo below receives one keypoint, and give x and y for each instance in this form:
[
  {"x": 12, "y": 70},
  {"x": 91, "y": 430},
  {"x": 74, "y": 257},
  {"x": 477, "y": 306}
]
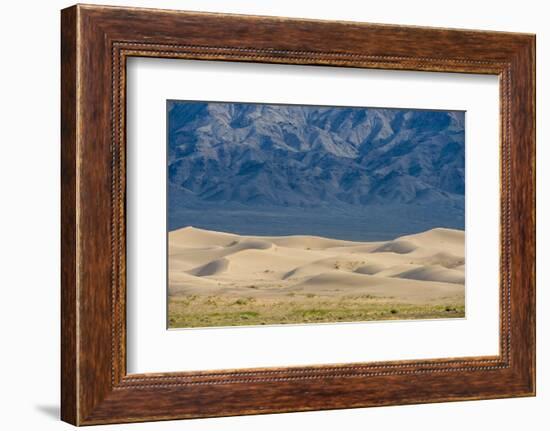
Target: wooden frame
[{"x": 96, "y": 41}]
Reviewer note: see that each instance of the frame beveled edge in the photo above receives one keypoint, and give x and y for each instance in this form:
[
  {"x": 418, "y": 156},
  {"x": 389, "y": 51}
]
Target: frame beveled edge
[{"x": 95, "y": 43}]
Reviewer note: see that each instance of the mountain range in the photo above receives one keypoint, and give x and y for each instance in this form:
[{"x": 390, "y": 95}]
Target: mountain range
[{"x": 255, "y": 156}]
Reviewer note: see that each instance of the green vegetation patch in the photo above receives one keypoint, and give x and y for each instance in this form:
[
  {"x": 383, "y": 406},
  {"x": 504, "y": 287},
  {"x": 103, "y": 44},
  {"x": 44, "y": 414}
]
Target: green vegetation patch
[{"x": 196, "y": 311}]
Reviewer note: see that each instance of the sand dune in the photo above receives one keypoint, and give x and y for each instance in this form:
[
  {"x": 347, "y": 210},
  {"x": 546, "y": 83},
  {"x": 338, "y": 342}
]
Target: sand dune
[
  {"x": 434, "y": 273},
  {"x": 410, "y": 291},
  {"x": 216, "y": 267},
  {"x": 421, "y": 268}
]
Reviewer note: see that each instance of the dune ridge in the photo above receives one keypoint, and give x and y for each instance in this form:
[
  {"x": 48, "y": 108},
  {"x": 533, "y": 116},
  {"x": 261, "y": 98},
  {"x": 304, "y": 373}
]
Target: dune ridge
[{"x": 427, "y": 267}]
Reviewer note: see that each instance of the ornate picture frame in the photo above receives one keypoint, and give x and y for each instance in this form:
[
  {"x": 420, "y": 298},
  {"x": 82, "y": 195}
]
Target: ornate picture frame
[{"x": 96, "y": 42}]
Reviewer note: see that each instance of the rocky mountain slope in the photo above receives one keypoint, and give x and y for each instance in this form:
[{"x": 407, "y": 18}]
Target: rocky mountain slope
[
  {"x": 288, "y": 155},
  {"x": 259, "y": 156}
]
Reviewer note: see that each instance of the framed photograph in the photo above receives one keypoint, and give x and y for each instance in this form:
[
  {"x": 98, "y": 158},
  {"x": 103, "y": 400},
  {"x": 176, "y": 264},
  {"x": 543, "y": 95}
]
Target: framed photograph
[
  {"x": 264, "y": 214},
  {"x": 294, "y": 214}
]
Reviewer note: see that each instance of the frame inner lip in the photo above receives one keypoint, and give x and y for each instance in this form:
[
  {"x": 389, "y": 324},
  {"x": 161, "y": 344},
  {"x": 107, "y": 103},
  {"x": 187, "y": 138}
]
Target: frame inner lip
[{"x": 123, "y": 49}]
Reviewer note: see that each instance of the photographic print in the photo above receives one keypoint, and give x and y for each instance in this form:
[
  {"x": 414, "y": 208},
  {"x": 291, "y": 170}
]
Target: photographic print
[{"x": 298, "y": 214}]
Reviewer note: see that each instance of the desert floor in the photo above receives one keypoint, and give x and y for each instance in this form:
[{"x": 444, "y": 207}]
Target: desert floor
[{"x": 223, "y": 279}]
